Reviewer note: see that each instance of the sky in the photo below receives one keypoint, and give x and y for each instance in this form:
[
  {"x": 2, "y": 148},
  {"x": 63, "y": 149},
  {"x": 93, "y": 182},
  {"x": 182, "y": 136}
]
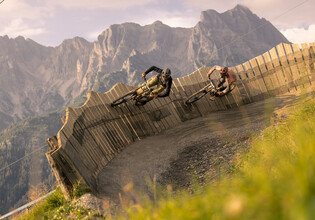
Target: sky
[{"x": 49, "y": 22}]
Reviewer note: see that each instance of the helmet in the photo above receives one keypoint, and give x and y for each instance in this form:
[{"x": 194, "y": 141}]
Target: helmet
[
  {"x": 166, "y": 72},
  {"x": 224, "y": 70}
]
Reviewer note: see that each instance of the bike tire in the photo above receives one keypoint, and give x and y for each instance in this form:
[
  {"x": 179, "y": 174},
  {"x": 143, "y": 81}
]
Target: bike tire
[
  {"x": 128, "y": 96},
  {"x": 196, "y": 96}
]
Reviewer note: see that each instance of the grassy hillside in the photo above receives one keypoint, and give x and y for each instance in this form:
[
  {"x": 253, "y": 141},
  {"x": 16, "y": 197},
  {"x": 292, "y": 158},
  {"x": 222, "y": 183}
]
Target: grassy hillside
[
  {"x": 274, "y": 180},
  {"x": 25, "y": 139}
]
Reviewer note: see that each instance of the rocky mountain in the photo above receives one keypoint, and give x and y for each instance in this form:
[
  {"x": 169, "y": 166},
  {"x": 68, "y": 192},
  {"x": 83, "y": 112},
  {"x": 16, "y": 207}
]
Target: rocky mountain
[{"x": 36, "y": 79}]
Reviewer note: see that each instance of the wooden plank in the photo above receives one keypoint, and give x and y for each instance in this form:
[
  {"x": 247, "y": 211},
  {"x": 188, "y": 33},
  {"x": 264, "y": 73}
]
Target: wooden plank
[
  {"x": 286, "y": 68},
  {"x": 104, "y": 128},
  {"x": 306, "y": 52},
  {"x": 178, "y": 101},
  {"x": 312, "y": 64},
  {"x": 97, "y": 131},
  {"x": 79, "y": 157},
  {"x": 69, "y": 143},
  {"x": 67, "y": 169},
  {"x": 107, "y": 129},
  {"x": 259, "y": 77},
  {"x": 236, "y": 91},
  {"x": 244, "y": 89},
  {"x": 278, "y": 71},
  {"x": 265, "y": 75},
  {"x": 100, "y": 124},
  {"x": 113, "y": 121},
  {"x": 78, "y": 133},
  {"x": 304, "y": 77},
  {"x": 86, "y": 138},
  {"x": 114, "y": 115},
  {"x": 272, "y": 73},
  {"x": 254, "y": 85},
  {"x": 293, "y": 66}
]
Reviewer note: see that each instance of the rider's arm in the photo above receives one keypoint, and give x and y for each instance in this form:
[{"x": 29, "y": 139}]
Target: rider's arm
[
  {"x": 153, "y": 68},
  {"x": 168, "y": 88},
  {"x": 216, "y": 67}
]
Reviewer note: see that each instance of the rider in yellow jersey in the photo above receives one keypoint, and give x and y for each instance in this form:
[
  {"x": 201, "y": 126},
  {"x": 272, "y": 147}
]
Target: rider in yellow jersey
[{"x": 163, "y": 81}]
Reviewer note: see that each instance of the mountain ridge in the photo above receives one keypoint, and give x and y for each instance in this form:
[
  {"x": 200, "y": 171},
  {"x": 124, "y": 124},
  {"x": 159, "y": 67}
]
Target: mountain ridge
[{"x": 38, "y": 79}]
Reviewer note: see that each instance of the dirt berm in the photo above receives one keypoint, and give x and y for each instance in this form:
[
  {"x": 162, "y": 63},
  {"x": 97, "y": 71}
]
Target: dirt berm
[{"x": 194, "y": 148}]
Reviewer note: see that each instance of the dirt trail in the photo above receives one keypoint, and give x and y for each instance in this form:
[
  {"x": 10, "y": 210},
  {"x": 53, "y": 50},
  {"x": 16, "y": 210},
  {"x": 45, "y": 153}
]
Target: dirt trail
[{"x": 198, "y": 145}]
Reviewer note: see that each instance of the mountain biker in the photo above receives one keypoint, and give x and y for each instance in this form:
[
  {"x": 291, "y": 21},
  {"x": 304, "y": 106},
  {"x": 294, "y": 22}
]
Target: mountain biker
[
  {"x": 225, "y": 85},
  {"x": 163, "y": 81}
]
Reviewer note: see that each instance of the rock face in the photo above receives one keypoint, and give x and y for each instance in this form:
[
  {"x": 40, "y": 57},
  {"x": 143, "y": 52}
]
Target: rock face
[{"x": 37, "y": 79}]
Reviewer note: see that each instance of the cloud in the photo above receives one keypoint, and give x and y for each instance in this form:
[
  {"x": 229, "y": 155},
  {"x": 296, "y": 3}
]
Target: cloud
[
  {"x": 180, "y": 21},
  {"x": 22, "y": 9},
  {"x": 92, "y": 36},
  {"x": 18, "y": 28},
  {"x": 300, "y": 35},
  {"x": 94, "y": 4},
  {"x": 219, "y": 6},
  {"x": 285, "y": 13}
]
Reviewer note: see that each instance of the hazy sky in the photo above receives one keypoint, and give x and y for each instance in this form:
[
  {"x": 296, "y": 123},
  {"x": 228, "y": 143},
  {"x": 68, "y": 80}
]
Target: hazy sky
[{"x": 49, "y": 22}]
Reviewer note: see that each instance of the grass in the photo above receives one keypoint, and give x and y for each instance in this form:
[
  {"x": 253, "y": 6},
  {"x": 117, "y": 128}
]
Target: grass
[
  {"x": 274, "y": 180},
  {"x": 57, "y": 207}
]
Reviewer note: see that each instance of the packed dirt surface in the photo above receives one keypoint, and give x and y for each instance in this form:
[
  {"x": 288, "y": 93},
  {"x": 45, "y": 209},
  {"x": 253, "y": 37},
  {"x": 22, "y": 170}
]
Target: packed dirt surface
[{"x": 195, "y": 148}]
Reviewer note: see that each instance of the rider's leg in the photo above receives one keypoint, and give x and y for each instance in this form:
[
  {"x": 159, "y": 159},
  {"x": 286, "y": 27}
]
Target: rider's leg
[
  {"x": 220, "y": 82},
  {"x": 151, "y": 96},
  {"x": 152, "y": 82},
  {"x": 158, "y": 90},
  {"x": 220, "y": 89}
]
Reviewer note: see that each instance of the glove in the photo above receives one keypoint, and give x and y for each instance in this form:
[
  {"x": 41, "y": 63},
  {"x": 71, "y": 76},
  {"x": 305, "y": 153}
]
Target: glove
[{"x": 220, "y": 93}]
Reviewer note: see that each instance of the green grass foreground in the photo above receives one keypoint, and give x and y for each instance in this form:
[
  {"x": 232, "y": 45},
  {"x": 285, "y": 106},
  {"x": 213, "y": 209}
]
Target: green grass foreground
[
  {"x": 57, "y": 207},
  {"x": 274, "y": 180}
]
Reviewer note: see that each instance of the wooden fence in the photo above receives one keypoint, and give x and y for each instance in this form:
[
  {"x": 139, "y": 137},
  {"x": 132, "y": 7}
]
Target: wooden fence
[{"x": 95, "y": 133}]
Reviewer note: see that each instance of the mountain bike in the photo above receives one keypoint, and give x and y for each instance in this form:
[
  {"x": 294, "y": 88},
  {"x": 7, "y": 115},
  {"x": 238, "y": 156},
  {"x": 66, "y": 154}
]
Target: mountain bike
[
  {"x": 133, "y": 95},
  {"x": 210, "y": 88}
]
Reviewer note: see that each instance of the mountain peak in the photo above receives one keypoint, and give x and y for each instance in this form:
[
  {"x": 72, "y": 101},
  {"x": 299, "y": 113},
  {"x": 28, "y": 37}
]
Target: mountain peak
[
  {"x": 240, "y": 7},
  {"x": 208, "y": 14}
]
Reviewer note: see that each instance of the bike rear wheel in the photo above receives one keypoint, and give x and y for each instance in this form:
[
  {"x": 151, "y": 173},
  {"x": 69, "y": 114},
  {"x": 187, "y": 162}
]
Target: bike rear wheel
[
  {"x": 128, "y": 96},
  {"x": 196, "y": 96}
]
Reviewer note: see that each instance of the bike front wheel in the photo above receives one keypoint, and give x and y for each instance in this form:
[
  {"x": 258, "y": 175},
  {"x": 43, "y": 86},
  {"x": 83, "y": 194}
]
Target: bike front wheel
[
  {"x": 128, "y": 96},
  {"x": 195, "y": 97}
]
